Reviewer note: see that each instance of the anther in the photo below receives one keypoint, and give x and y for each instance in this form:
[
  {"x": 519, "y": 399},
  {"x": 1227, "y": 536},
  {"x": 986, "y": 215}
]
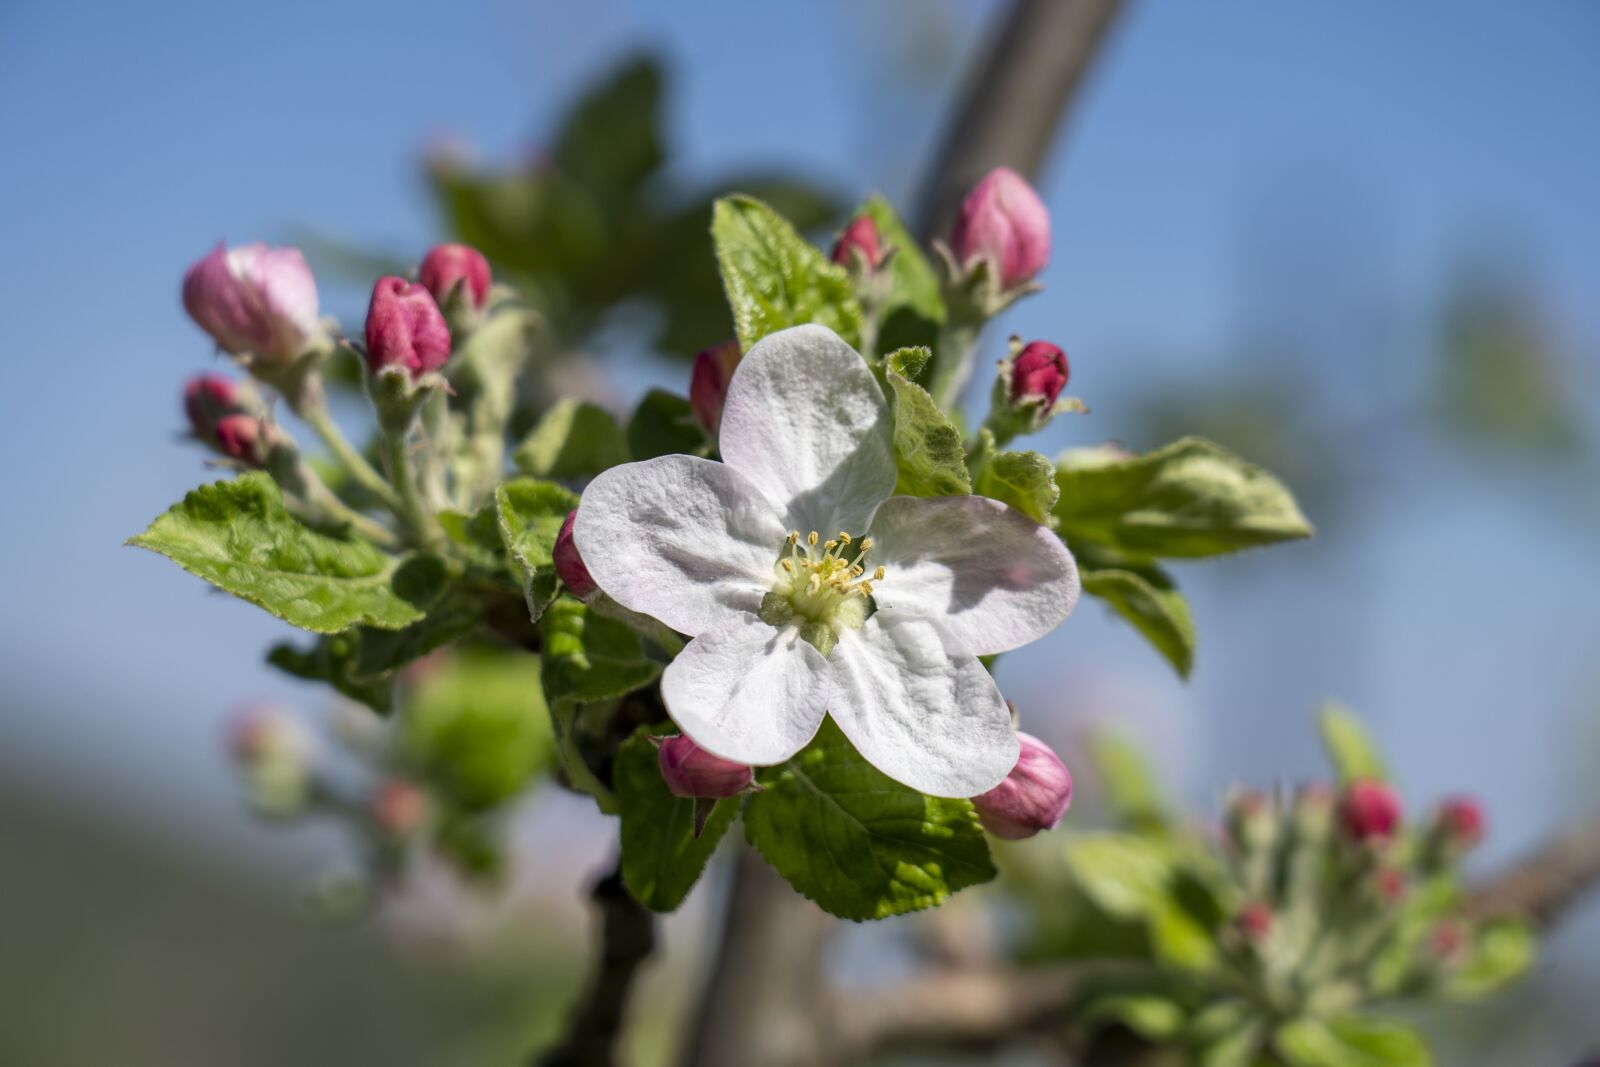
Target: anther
[
  {"x": 878, "y": 574},
  {"x": 811, "y": 538}
]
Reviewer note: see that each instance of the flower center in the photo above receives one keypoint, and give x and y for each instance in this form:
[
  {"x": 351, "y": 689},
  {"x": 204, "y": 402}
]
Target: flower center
[{"x": 824, "y": 588}]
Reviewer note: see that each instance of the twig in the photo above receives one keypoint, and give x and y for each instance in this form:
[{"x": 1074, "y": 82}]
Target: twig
[
  {"x": 1030, "y": 73},
  {"x": 627, "y": 937},
  {"x": 1546, "y": 883}
]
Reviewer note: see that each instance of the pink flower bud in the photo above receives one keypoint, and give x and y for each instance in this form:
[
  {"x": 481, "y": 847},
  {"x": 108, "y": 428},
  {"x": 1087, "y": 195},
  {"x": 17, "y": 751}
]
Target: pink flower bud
[
  {"x": 405, "y": 329},
  {"x": 1391, "y": 884},
  {"x": 264, "y": 732},
  {"x": 1033, "y": 797},
  {"x": 1460, "y": 821},
  {"x": 245, "y": 439},
  {"x": 399, "y": 807},
  {"x": 691, "y": 771},
  {"x": 859, "y": 242},
  {"x": 569, "y": 564},
  {"x": 1038, "y": 375},
  {"x": 708, "y": 382},
  {"x": 1447, "y": 941},
  {"x": 1369, "y": 810},
  {"x": 1254, "y": 921},
  {"x": 449, "y": 264},
  {"x": 1003, "y": 221},
  {"x": 254, "y": 300},
  {"x": 207, "y": 400}
]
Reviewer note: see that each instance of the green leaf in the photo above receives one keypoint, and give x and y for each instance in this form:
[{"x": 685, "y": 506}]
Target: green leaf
[
  {"x": 1133, "y": 877},
  {"x": 589, "y": 660},
  {"x": 858, "y": 843},
  {"x": 663, "y": 425},
  {"x": 238, "y": 536},
  {"x": 774, "y": 278},
  {"x": 927, "y": 446},
  {"x": 1024, "y": 480},
  {"x": 610, "y": 141},
  {"x": 1144, "y": 595},
  {"x": 530, "y": 515},
  {"x": 1128, "y": 787},
  {"x": 1502, "y": 950},
  {"x": 362, "y": 662},
  {"x": 573, "y": 439},
  {"x": 661, "y": 856},
  {"x": 476, "y": 725},
  {"x": 1348, "y": 746},
  {"x": 1354, "y": 1041},
  {"x": 1149, "y": 1015},
  {"x": 913, "y": 308},
  {"x": 1189, "y": 499}
]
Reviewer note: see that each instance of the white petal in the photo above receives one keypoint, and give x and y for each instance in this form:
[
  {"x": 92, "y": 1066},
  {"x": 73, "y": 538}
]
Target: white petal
[
  {"x": 806, "y": 422},
  {"x": 748, "y": 692},
  {"x": 992, "y": 578},
  {"x": 931, "y": 720},
  {"x": 683, "y": 539}
]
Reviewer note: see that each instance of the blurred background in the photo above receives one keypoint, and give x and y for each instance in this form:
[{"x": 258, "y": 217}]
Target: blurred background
[{"x": 1357, "y": 244}]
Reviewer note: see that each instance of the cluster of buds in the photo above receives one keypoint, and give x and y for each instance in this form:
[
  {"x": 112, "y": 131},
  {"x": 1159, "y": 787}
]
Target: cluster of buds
[
  {"x": 1324, "y": 887},
  {"x": 1032, "y": 798}
]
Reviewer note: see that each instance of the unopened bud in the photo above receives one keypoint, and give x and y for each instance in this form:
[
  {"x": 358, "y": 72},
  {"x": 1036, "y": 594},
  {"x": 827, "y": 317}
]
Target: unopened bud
[
  {"x": 1033, "y": 797},
  {"x": 1003, "y": 223},
  {"x": 569, "y": 564},
  {"x": 207, "y": 400},
  {"x": 458, "y": 276},
  {"x": 1038, "y": 374},
  {"x": 690, "y": 771},
  {"x": 254, "y": 301},
  {"x": 1313, "y": 811},
  {"x": 1254, "y": 921},
  {"x": 245, "y": 439},
  {"x": 708, "y": 382},
  {"x": 859, "y": 246},
  {"x": 399, "y": 808},
  {"x": 1391, "y": 884},
  {"x": 274, "y": 753},
  {"x": 1447, "y": 942},
  {"x": 1249, "y": 820},
  {"x": 1460, "y": 821},
  {"x": 1369, "y": 810},
  {"x": 405, "y": 329}
]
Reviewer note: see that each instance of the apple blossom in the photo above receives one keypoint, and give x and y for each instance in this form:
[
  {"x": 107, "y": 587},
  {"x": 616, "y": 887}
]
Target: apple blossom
[
  {"x": 1003, "y": 223},
  {"x": 1033, "y": 797},
  {"x": 859, "y": 243},
  {"x": 691, "y": 771},
  {"x": 792, "y": 615},
  {"x": 448, "y": 265},
  {"x": 405, "y": 329},
  {"x": 1369, "y": 810}
]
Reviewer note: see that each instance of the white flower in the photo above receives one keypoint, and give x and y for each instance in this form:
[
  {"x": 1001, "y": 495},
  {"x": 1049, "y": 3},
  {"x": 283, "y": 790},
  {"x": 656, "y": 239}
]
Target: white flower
[{"x": 810, "y": 590}]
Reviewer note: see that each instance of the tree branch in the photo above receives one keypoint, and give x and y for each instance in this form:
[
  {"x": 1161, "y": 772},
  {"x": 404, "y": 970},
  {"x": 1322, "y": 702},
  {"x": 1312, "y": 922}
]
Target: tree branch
[
  {"x": 1030, "y": 73},
  {"x": 627, "y": 937},
  {"x": 1546, "y": 883}
]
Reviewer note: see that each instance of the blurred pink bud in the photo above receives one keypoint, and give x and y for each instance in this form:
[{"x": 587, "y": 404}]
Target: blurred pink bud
[
  {"x": 257, "y": 733},
  {"x": 207, "y": 400},
  {"x": 708, "y": 382},
  {"x": 399, "y": 807},
  {"x": 1003, "y": 222},
  {"x": 447, "y": 265},
  {"x": 1033, "y": 797},
  {"x": 405, "y": 329},
  {"x": 859, "y": 241},
  {"x": 1249, "y": 819},
  {"x": 254, "y": 300},
  {"x": 1447, "y": 941},
  {"x": 1461, "y": 821},
  {"x": 244, "y": 438},
  {"x": 1254, "y": 921},
  {"x": 1038, "y": 375},
  {"x": 569, "y": 564},
  {"x": 1369, "y": 810},
  {"x": 691, "y": 771},
  {"x": 1391, "y": 883}
]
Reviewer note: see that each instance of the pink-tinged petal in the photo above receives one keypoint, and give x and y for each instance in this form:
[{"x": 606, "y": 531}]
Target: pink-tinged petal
[
  {"x": 683, "y": 539},
  {"x": 991, "y": 578},
  {"x": 748, "y": 692},
  {"x": 405, "y": 329},
  {"x": 933, "y": 721},
  {"x": 1003, "y": 221}
]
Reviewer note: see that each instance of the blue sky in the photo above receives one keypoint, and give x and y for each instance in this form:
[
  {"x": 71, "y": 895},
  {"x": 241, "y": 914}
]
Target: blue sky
[{"x": 1373, "y": 142}]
